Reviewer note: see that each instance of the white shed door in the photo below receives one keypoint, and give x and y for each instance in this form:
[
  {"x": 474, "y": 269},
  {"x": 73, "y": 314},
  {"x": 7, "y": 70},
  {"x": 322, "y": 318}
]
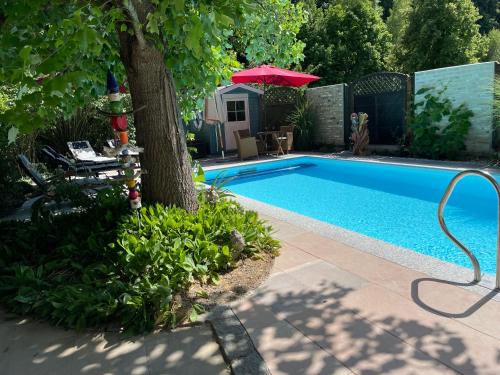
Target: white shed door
[{"x": 236, "y": 117}]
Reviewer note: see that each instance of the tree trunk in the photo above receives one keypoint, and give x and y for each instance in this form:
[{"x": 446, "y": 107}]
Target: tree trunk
[{"x": 168, "y": 177}]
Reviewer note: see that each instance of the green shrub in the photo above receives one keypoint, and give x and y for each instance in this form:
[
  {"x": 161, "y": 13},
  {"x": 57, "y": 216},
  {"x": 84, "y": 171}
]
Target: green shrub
[
  {"x": 84, "y": 124},
  {"x": 12, "y": 189},
  {"x": 302, "y": 118},
  {"x": 101, "y": 267},
  {"x": 438, "y": 129},
  {"x": 87, "y": 123}
]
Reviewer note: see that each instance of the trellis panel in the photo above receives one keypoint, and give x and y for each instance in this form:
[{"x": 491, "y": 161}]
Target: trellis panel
[
  {"x": 384, "y": 97},
  {"x": 280, "y": 95}
]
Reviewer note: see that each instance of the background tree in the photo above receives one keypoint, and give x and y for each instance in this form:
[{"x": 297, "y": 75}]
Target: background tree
[
  {"x": 490, "y": 14},
  {"x": 386, "y": 6},
  {"x": 397, "y": 23},
  {"x": 440, "y": 33},
  {"x": 56, "y": 54},
  {"x": 344, "y": 40},
  {"x": 494, "y": 45}
]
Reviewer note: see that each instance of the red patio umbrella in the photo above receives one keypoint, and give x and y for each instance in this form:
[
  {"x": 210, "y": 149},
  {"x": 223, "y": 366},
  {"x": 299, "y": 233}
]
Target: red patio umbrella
[{"x": 271, "y": 75}]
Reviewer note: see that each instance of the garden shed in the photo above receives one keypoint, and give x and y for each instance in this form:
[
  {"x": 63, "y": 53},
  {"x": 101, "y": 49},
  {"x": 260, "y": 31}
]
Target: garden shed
[{"x": 234, "y": 107}]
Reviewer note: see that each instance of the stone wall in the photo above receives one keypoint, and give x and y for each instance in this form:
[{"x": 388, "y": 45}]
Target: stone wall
[
  {"x": 328, "y": 106},
  {"x": 472, "y": 84}
]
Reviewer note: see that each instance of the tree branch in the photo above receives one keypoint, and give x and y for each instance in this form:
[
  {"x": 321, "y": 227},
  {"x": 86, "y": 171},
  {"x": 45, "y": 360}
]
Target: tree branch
[{"x": 136, "y": 23}]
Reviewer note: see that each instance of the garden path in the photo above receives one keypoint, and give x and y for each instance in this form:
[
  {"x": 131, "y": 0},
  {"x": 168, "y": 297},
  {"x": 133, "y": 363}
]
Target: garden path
[{"x": 28, "y": 347}]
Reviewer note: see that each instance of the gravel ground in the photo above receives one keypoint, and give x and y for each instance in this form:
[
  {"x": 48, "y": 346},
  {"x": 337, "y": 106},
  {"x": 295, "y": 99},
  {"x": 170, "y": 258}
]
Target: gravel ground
[{"x": 247, "y": 275}]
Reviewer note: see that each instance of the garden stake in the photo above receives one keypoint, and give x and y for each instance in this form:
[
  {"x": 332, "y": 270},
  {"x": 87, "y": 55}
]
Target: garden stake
[{"x": 125, "y": 151}]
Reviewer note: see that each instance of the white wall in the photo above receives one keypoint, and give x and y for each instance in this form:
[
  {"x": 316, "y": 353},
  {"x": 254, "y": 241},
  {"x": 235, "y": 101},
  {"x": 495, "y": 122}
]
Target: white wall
[{"x": 472, "y": 84}]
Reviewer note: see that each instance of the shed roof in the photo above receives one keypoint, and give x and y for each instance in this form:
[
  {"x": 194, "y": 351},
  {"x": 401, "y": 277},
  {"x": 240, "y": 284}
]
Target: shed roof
[{"x": 226, "y": 89}]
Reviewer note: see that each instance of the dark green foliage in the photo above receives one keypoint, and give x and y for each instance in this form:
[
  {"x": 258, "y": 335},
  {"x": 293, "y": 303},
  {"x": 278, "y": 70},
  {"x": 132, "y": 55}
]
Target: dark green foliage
[
  {"x": 494, "y": 45},
  {"x": 490, "y": 14},
  {"x": 397, "y": 23},
  {"x": 438, "y": 129},
  {"x": 440, "y": 33},
  {"x": 98, "y": 267},
  {"x": 344, "y": 40},
  {"x": 12, "y": 188},
  {"x": 303, "y": 120},
  {"x": 386, "y": 5},
  {"x": 84, "y": 124}
]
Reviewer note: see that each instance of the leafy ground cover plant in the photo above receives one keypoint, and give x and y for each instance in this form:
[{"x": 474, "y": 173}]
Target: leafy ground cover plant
[
  {"x": 100, "y": 267},
  {"x": 438, "y": 129}
]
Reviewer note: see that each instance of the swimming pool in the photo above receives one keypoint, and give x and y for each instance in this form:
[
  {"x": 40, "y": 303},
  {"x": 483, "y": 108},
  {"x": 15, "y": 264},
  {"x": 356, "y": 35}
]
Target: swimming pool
[{"x": 393, "y": 203}]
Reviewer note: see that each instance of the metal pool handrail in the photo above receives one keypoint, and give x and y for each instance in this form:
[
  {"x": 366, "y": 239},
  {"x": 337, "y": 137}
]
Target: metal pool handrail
[{"x": 442, "y": 204}]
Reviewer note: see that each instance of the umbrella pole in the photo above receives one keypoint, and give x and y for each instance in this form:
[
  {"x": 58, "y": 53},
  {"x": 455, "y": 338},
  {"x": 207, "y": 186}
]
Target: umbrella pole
[{"x": 264, "y": 114}]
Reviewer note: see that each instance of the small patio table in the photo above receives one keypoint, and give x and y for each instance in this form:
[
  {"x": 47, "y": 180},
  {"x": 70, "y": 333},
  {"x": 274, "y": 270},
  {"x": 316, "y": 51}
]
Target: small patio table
[{"x": 275, "y": 136}]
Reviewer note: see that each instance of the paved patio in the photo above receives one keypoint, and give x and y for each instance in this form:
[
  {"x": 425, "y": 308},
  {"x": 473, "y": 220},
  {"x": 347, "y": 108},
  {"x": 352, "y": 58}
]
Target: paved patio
[
  {"x": 28, "y": 347},
  {"x": 331, "y": 309}
]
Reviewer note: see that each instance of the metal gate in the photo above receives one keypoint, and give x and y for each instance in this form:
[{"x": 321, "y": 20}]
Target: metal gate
[{"x": 384, "y": 97}]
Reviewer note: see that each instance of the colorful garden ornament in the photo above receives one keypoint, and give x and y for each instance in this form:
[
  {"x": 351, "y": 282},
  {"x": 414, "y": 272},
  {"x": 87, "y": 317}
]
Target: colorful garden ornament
[
  {"x": 125, "y": 152},
  {"x": 359, "y": 133}
]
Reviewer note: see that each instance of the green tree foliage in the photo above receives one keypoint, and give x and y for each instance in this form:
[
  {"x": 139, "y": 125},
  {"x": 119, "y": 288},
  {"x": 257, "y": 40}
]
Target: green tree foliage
[
  {"x": 494, "y": 45},
  {"x": 259, "y": 34},
  {"x": 397, "y": 23},
  {"x": 344, "y": 40},
  {"x": 440, "y": 33},
  {"x": 490, "y": 14},
  {"x": 56, "y": 54}
]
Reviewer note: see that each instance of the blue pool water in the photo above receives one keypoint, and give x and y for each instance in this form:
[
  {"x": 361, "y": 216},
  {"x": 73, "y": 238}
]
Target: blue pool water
[{"x": 396, "y": 204}]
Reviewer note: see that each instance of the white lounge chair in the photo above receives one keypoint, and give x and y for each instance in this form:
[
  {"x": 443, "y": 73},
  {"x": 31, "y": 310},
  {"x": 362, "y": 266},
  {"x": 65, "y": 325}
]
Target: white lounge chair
[{"x": 83, "y": 151}]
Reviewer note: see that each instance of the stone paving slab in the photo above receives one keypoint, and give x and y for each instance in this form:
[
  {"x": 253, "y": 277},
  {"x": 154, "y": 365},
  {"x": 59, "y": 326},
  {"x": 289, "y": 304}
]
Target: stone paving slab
[
  {"x": 285, "y": 349},
  {"x": 36, "y": 348},
  {"x": 330, "y": 308},
  {"x": 235, "y": 343}
]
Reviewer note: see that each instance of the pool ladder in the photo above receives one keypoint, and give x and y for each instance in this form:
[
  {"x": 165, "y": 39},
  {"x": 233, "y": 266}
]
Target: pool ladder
[{"x": 442, "y": 204}]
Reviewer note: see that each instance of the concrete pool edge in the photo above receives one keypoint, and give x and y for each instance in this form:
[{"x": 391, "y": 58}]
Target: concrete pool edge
[{"x": 404, "y": 257}]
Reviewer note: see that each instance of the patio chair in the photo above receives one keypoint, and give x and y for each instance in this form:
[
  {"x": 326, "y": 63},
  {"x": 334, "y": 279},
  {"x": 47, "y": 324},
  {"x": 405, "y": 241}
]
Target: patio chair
[
  {"x": 282, "y": 140},
  {"x": 286, "y": 135},
  {"x": 247, "y": 145},
  {"x": 32, "y": 172},
  {"x": 83, "y": 151},
  {"x": 48, "y": 195},
  {"x": 56, "y": 160},
  {"x": 44, "y": 184}
]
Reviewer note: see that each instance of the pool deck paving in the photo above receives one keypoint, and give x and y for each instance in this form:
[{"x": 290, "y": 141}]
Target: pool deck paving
[{"x": 328, "y": 308}]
